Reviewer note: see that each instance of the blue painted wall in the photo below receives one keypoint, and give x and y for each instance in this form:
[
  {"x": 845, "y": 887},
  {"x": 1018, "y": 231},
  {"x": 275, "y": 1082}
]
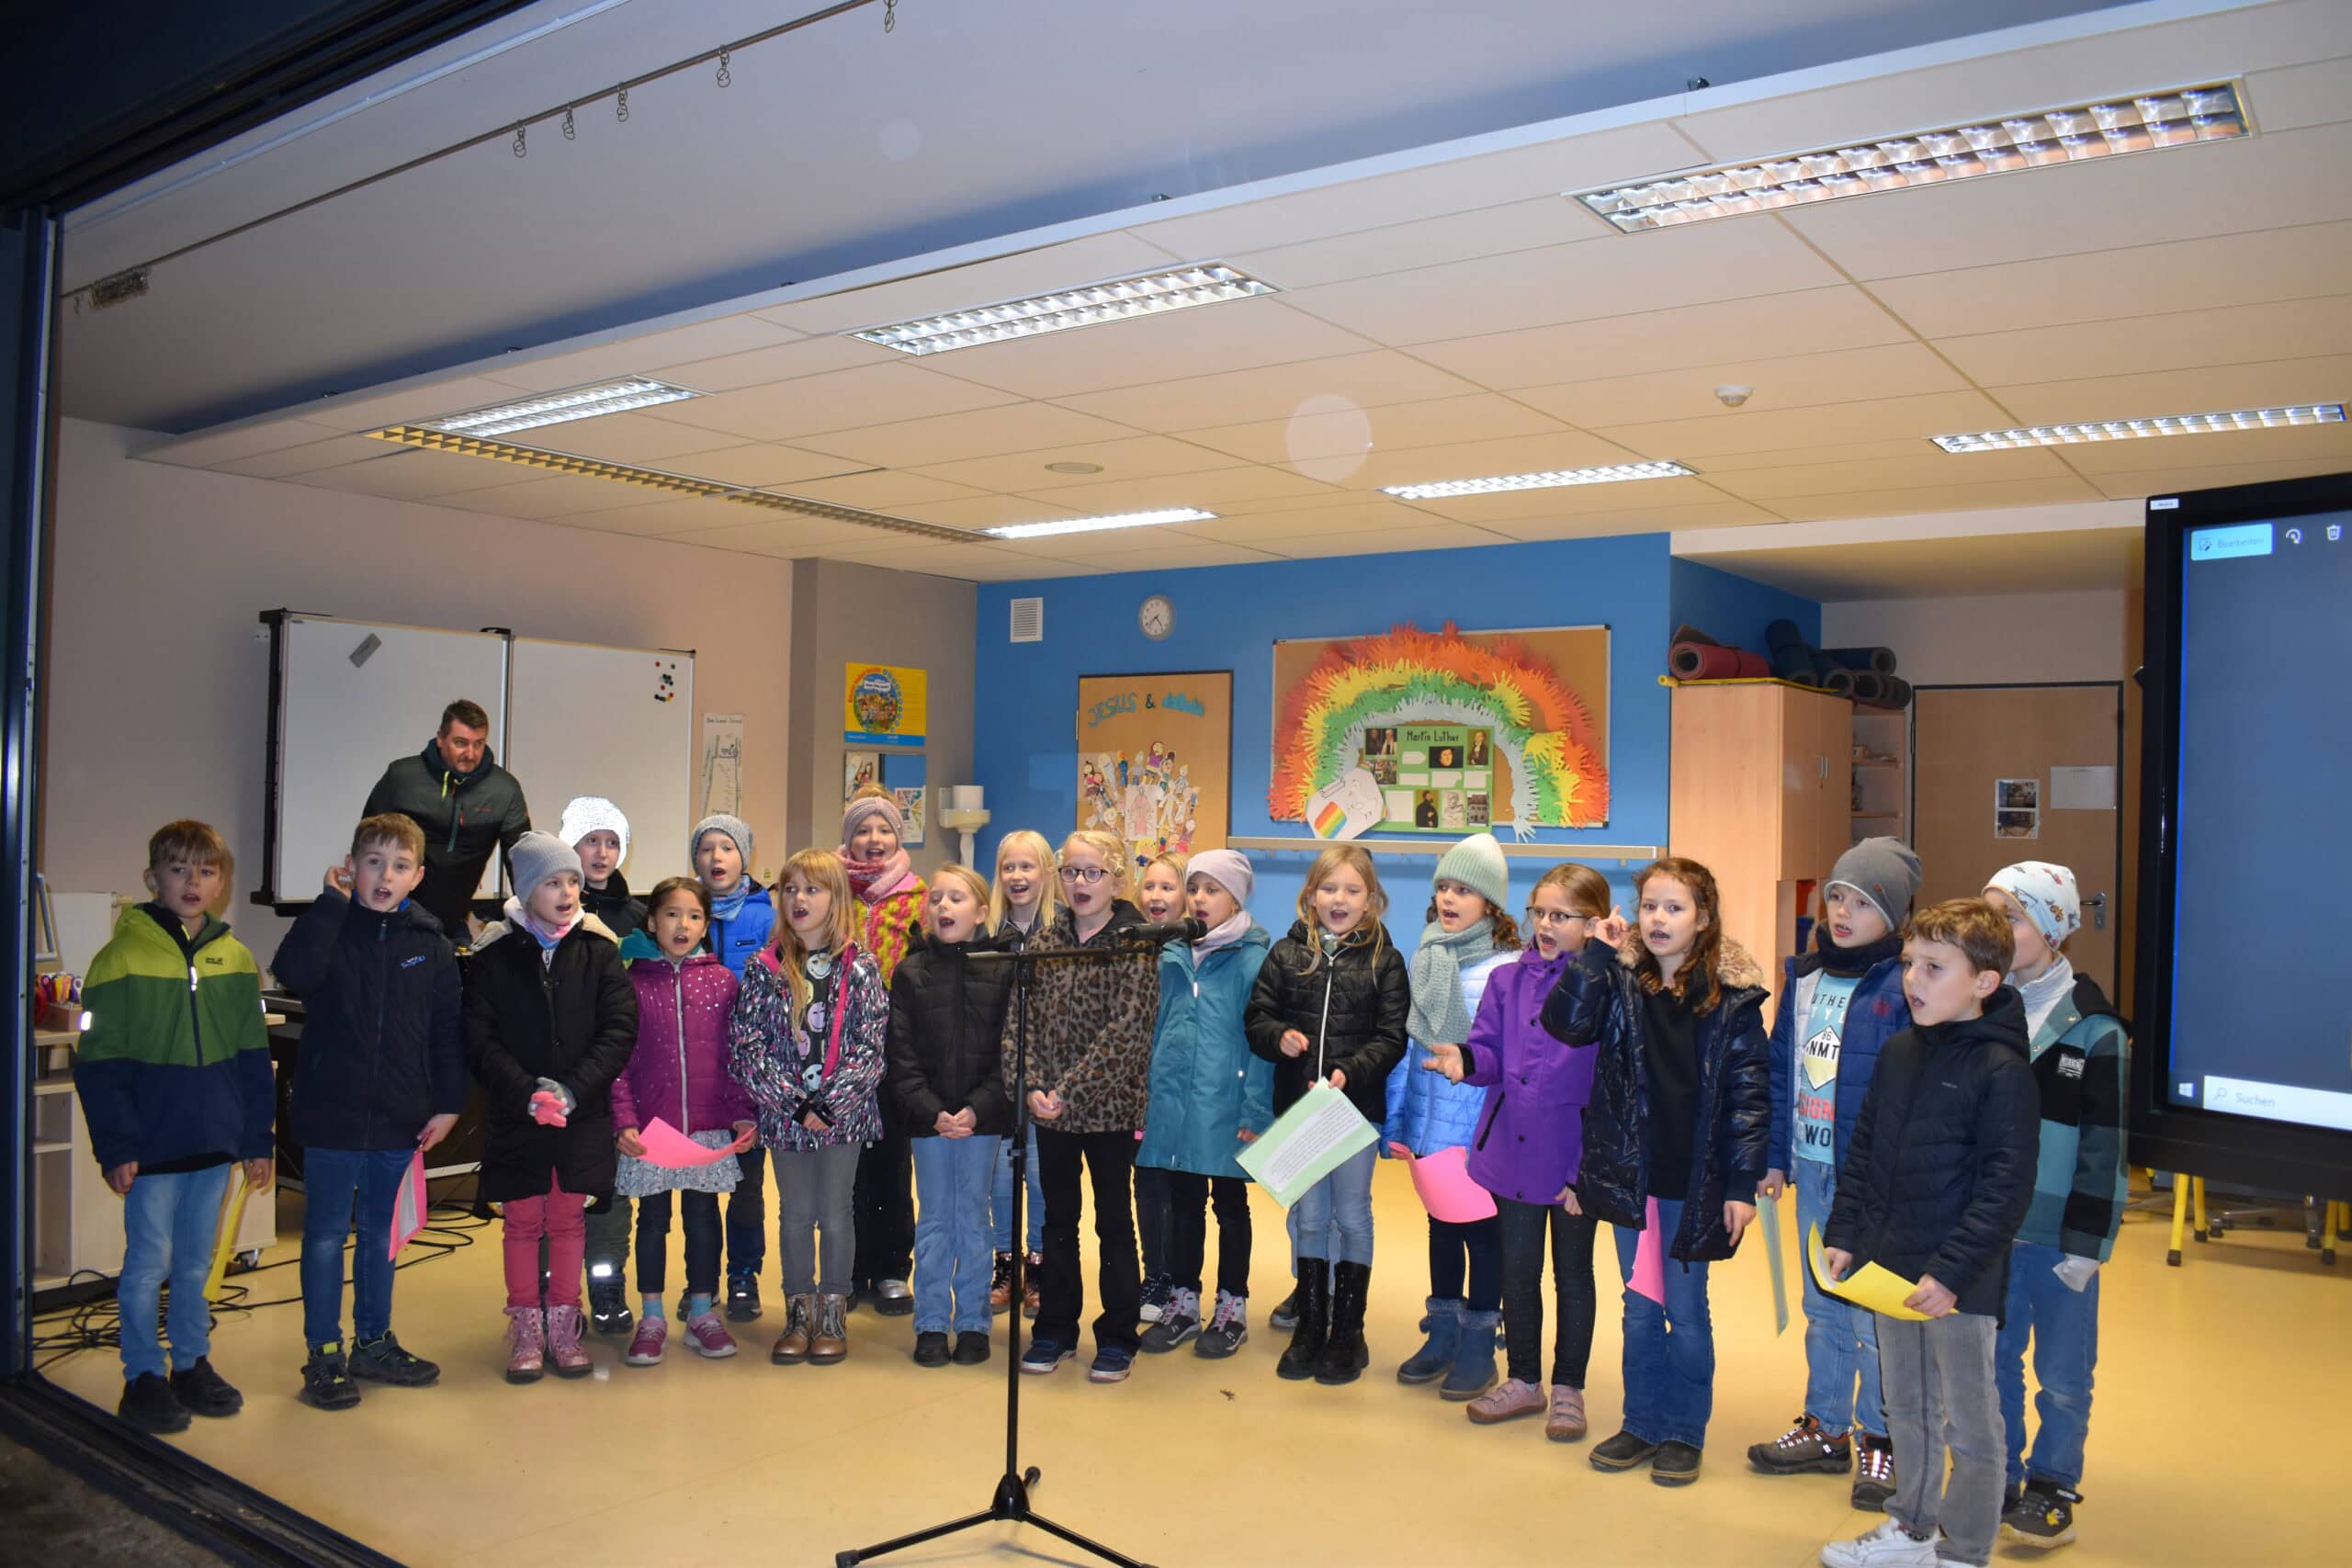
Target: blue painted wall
[
  {"x": 1024, "y": 743},
  {"x": 1733, "y": 610}
]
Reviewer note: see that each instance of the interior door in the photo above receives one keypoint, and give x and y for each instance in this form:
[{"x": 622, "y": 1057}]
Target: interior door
[{"x": 2009, "y": 773}]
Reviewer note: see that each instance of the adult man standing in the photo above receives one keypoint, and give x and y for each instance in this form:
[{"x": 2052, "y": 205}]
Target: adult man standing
[{"x": 466, "y": 803}]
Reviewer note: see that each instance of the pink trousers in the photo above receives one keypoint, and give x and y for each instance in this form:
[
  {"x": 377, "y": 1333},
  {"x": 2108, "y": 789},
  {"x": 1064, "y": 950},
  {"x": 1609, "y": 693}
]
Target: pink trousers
[{"x": 559, "y": 1217}]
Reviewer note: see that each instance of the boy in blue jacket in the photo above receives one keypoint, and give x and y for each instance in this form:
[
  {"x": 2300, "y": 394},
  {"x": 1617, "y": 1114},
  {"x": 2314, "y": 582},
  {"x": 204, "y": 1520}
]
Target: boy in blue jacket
[
  {"x": 173, "y": 1073},
  {"x": 1839, "y": 1005},
  {"x": 381, "y": 1075},
  {"x": 743, "y": 917}
]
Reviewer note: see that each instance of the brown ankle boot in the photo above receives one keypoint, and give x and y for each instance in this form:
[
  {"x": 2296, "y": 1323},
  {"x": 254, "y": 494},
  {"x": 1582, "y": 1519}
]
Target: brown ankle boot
[
  {"x": 830, "y": 1342},
  {"x": 799, "y": 1320}
]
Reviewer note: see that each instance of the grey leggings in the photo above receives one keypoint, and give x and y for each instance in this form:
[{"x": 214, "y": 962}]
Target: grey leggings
[{"x": 813, "y": 1189}]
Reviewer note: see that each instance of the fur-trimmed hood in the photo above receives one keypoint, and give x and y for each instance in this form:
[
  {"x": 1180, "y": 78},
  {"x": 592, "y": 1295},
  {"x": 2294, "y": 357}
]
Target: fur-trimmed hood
[
  {"x": 1736, "y": 967},
  {"x": 588, "y": 923}
]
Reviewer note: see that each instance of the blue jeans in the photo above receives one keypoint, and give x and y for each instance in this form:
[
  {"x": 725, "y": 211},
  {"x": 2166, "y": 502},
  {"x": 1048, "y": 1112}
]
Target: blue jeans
[
  {"x": 1670, "y": 1350},
  {"x": 334, "y": 1181},
  {"x": 1840, "y": 1338},
  {"x": 953, "y": 1180},
  {"x": 1032, "y": 1211},
  {"x": 2063, "y": 1327},
  {"x": 168, "y": 1226},
  {"x": 1290, "y": 1225},
  {"x": 1335, "y": 1214}
]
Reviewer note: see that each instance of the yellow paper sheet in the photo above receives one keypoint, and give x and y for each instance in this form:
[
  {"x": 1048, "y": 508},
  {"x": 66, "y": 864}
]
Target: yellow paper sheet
[{"x": 1880, "y": 1290}]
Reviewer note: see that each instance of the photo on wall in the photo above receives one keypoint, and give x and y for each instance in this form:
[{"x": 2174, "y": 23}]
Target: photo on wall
[{"x": 1155, "y": 760}]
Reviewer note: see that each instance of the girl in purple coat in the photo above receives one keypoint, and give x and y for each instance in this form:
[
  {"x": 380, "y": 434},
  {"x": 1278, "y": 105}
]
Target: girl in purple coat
[
  {"x": 1529, "y": 1145},
  {"x": 678, "y": 1074}
]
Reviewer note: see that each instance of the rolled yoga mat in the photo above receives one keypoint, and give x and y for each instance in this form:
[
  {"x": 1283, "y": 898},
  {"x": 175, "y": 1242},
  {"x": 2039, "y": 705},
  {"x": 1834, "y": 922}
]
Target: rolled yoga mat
[
  {"x": 1869, "y": 685},
  {"x": 1709, "y": 661},
  {"x": 1877, "y": 661},
  {"x": 1834, "y": 679}
]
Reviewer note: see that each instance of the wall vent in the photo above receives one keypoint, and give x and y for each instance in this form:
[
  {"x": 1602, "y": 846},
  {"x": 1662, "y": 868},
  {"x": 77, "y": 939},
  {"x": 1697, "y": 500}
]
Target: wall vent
[{"x": 1029, "y": 620}]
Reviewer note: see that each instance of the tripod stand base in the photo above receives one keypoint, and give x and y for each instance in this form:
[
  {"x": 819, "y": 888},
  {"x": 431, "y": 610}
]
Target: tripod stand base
[{"x": 1010, "y": 1504}]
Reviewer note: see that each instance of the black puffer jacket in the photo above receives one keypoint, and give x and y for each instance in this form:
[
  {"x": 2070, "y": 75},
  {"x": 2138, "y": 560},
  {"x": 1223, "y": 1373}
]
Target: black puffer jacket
[
  {"x": 467, "y": 817},
  {"x": 573, "y": 1020},
  {"x": 383, "y": 1032},
  {"x": 612, "y": 904},
  {"x": 946, "y": 1038},
  {"x": 1355, "y": 1003},
  {"x": 1599, "y": 1001},
  {"x": 1939, "y": 1172}
]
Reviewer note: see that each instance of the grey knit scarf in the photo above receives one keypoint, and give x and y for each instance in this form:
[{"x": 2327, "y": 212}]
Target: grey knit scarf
[{"x": 1439, "y": 1016}]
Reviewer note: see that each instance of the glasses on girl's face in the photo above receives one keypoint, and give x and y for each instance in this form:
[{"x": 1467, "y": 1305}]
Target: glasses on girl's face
[
  {"x": 1550, "y": 917},
  {"x": 1089, "y": 875}
]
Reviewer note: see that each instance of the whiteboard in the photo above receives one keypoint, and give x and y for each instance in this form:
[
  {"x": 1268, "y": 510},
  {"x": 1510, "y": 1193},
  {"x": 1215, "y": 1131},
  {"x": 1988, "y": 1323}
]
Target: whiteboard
[
  {"x": 338, "y": 724},
  {"x": 618, "y": 722}
]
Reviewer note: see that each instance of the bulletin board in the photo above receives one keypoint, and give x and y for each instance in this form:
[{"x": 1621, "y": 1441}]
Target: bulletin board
[
  {"x": 1155, "y": 760},
  {"x": 1456, "y": 730}
]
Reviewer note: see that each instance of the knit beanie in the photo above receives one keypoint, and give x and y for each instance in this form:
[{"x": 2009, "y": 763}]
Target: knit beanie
[
  {"x": 1478, "y": 864},
  {"x": 1229, "y": 869},
  {"x": 854, "y": 814},
  {"x": 2048, "y": 893},
  {"x": 587, "y": 814},
  {"x": 538, "y": 856},
  {"x": 1883, "y": 871},
  {"x": 734, "y": 827}
]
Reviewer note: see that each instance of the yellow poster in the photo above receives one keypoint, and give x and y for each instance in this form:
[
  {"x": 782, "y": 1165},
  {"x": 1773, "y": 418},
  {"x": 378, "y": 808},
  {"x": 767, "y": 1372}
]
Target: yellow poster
[
  {"x": 1879, "y": 1289},
  {"x": 885, "y": 704}
]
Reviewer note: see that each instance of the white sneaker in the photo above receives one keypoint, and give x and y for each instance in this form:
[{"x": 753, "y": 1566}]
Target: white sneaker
[{"x": 1889, "y": 1546}]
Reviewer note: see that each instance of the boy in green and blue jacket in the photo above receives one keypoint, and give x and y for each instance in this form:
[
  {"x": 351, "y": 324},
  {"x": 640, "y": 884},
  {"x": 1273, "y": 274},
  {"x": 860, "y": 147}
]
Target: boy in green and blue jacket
[{"x": 173, "y": 1072}]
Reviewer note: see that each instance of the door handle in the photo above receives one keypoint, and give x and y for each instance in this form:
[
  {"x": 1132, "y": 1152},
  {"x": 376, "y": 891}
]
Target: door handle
[{"x": 2096, "y": 904}]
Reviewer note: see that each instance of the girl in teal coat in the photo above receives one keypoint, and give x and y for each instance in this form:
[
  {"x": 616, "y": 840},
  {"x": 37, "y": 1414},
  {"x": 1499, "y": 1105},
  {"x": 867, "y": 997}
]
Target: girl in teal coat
[{"x": 1209, "y": 1097}]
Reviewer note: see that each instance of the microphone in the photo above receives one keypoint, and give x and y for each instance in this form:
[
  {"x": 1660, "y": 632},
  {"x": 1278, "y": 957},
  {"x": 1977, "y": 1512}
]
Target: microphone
[{"x": 1167, "y": 931}]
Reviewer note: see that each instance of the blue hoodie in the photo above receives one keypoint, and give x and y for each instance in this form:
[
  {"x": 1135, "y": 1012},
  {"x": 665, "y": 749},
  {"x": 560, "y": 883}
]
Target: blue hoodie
[{"x": 736, "y": 939}]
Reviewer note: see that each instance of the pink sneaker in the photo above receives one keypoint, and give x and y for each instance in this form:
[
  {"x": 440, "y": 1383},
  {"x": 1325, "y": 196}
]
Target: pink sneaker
[
  {"x": 527, "y": 1345},
  {"x": 645, "y": 1350},
  {"x": 709, "y": 1337},
  {"x": 564, "y": 1328}
]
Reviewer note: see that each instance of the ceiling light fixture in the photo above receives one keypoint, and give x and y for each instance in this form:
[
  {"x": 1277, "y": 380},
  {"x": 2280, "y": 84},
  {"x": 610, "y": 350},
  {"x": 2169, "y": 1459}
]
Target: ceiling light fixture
[
  {"x": 1073, "y": 467},
  {"x": 2174, "y": 117},
  {"x": 559, "y": 408},
  {"x": 1608, "y": 473},
  {"x": 1094, "y": 525},
  {"x": 2142, "y": 429},
  {"x": 1207, "y": 284}
]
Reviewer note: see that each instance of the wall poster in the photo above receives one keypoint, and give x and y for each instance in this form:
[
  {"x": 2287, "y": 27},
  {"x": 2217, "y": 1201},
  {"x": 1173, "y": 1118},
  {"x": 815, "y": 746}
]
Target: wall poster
[{"x": 1154, "y": 757}]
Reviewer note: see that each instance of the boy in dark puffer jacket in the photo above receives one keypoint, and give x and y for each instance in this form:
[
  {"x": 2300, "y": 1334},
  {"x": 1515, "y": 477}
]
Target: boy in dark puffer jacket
[{"x": 1936, "y": 1180}]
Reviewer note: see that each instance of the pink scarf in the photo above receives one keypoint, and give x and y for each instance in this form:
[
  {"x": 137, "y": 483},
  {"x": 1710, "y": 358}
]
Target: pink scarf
[
  {"x": 874, "y": 880},
  {"x": 547, "y": 935}
]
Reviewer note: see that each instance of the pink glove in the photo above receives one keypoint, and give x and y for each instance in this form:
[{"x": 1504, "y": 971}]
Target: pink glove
[{"x": 547, "y": 1110}]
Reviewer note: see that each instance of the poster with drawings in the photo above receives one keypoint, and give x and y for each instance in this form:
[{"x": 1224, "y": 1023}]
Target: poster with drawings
[{"x": 1153, "y": 758}]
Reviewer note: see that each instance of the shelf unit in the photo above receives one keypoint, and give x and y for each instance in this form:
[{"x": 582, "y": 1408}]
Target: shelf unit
[{"x": 1882, "y": 774}]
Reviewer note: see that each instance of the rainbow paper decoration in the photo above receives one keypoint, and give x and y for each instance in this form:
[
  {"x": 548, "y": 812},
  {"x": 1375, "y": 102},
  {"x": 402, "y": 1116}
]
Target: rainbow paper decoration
[{"x": 1542, "y": 728}]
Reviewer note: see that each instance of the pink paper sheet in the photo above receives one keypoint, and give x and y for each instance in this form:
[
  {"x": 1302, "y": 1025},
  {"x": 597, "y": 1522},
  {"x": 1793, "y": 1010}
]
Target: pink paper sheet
[
  {"x": 1649, "y": 1260},
  {"x": 673, "y": 1150},
  {"x": 409, "y": 1204},
  {"x": 1443, "y": 1179}
]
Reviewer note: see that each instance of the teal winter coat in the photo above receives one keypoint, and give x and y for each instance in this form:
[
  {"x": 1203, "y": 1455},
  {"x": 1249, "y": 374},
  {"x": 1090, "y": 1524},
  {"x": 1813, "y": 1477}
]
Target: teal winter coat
[{"x": 1206, "y": 1084}]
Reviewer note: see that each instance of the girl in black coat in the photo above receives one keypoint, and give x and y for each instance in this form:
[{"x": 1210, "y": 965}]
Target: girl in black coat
[
  {"x": 943, "y": 1085},
  {"x": 1675, "y": 1139},
  {"x": 1329, "y": 1007},
  {"x": 550, "y": 1021}
]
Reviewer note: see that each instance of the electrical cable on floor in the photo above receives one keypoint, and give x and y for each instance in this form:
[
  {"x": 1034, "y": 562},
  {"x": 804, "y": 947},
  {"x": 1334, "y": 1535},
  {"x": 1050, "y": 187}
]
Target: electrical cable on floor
[{"x": 94, "y": 1325}]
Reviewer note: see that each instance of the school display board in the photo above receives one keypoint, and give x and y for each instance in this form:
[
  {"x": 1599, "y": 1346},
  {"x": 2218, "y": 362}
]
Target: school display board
[
  {"x": 1444, "y": 731},
  {"x": 619, "y": 722},
  {"x": 1155, "y": 759}
]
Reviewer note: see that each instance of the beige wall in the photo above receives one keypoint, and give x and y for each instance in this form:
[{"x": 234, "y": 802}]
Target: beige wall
[
  {"x": 1988, "y": 640},
  {"x": 841, "y": 612},
  {"x": 156, "y": 697}
]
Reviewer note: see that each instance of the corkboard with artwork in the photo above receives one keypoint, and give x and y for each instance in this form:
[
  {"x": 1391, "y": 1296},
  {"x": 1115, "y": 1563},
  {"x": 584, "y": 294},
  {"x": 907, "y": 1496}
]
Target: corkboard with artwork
[{"x": 1155, "y": 758}]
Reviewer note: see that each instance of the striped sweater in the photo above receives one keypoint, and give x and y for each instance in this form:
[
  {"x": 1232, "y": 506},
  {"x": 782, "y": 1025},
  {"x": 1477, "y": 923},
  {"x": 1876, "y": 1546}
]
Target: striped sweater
[{"x": 2081, "y": 1056}]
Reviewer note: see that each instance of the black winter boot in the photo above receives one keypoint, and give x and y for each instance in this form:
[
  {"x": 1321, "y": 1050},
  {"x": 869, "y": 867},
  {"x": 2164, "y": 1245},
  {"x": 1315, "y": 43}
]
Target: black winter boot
[
  {"x": 1314, "y": 1305},
  {"x": 1345, "y": 1354}
]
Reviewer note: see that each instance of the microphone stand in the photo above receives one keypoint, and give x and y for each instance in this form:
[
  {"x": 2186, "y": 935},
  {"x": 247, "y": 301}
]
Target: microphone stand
[{"x": 1011, "y": 1501}]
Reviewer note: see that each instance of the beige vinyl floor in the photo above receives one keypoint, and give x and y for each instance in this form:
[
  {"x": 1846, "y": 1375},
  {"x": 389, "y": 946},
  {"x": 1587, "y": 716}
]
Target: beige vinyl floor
[{"x": 2220, "y": 1435}]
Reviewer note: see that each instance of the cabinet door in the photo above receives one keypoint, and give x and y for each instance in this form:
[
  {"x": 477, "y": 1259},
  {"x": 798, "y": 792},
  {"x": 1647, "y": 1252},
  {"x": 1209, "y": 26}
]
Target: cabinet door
[
  {"x": 1836, "y": 814},
  {"x": 1799, "y": 798}
]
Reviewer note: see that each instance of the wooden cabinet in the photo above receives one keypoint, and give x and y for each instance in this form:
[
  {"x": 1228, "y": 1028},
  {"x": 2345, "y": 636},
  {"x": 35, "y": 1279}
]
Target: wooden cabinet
[{"x": 1762, "y": 794}]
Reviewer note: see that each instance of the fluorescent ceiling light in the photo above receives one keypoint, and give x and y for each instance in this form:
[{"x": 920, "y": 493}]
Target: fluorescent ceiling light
[
  {"x": 1097, "y": 303},
  {"x": 559, "y": 408},
  {"x": 2140, "y": 429},
  {"x": 2174, "y": 117},
  {"x": 1608, "y": 473},
  {"x": 1093, "y": 524}
]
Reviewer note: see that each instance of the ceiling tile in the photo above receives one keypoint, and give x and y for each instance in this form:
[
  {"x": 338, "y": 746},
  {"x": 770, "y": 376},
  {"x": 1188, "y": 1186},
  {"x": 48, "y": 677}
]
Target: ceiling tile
[
  {"x": 412, "y": 475},
  {"x": 1489, "y": 231},
  {"x": 1933, "y": 498},
  {"x": 2323, "y": 378},
  {"x": 206, "y": 448},
  {"x": 410, "y": 405},
  {"x": 1137, "y": 457},
  {"x": 1327, "y": 443},
  {"x": 631, "y": 438},
  {"x": 764, "y": 463},
  {"x": 2188, "y": 275},
  {"x": 1045, "y": 270},
  {"x": 785, "y": 361},
  {"x": 2136, "y": 484},
  {"x": 1237, "y": 334},
  {"x": 555, "y": 498},
  {"x": 677, "y": 514},
  {"x": 306, "y": 458},
  {"x": 1722, "y": 514},
  {"x": 878, "y": 489},
  {"x": 1359, "y": 515},
  {"x": 2319, "y": 93},
  {"x": 984, "y": 511},
  {"x": 1276, "y": 391},
  {"x": 2295, "y": 443},
  {"x": 1877, "y": 420},
  {"x": 1567, "y": 500},
  {"x": 1167, "y": 554},
  {"x": 1805, "y": 380},
  {"x": 640, "y": 356},
  {"x": 982, "y": 433},
  {"x": 1211, "y": 491},
  {"x": 1388, "y": 541},
  {"x": 2231, "y": 334},
  {"x": 1614, "y": 276},
  {"x": 1479, "y": 459},
  {"x": 1808, "y": 322},
  {"x": 769, "y": 534},
  {"x": 1806, "y": 457},
  {"x": 1924, "y": 465},
  {"x": 836, "y": 400}
]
